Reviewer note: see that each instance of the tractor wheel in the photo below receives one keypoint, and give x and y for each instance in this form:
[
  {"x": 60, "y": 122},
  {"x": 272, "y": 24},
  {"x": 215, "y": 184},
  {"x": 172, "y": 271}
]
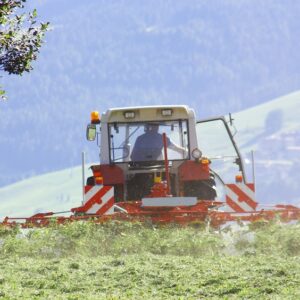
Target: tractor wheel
[
  {"x": 202, "y": 189},
  {"x": 90, "y": 180},
  {"x": 139, "y": 186}
]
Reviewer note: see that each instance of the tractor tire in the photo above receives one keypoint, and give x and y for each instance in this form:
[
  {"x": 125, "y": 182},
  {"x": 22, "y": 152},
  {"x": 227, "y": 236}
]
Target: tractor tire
[
  {"x": 202, "y": 189},
  {"x": 139, "y": 186},
  {"x": 90, "y": 180}
]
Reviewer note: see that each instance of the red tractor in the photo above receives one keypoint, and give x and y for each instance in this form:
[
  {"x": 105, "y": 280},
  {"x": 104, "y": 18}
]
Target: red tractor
[{"x": 158, "y": 163}]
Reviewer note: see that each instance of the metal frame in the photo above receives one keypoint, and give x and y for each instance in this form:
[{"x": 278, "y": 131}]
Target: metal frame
[{"x": 239, "y": 156}]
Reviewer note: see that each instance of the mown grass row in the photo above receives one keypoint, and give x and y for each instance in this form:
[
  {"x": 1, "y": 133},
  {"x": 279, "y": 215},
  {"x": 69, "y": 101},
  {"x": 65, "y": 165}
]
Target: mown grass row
[
  {"x": 123, "y": 238},
  {"x": 151, "y": 277},
  {"x": 142, "y": 261}
]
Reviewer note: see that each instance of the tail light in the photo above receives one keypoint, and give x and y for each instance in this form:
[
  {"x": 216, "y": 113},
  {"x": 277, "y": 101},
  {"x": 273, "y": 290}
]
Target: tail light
[{"x": 239, "y": 178}]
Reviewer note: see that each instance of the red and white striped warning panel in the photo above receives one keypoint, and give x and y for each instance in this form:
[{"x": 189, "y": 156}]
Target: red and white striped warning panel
[
  {"x": 240, "y": 197},
  {"x": 98, "y": 199}
]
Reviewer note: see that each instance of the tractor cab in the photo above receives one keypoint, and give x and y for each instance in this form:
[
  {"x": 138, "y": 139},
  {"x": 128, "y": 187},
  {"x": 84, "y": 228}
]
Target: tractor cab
[{"x": 144, "y": 146}]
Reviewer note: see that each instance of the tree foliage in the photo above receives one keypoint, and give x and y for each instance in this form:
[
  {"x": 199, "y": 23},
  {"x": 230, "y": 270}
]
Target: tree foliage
[{"x": 20, "y": 38}]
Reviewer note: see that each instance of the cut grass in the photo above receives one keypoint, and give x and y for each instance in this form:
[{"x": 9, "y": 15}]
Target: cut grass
[
  {"x": 132, "y": 261},
  {"x": 151, "y": 277}
]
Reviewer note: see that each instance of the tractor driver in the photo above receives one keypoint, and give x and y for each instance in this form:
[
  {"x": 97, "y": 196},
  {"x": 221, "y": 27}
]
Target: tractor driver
[{"x": 149, "y": 146}]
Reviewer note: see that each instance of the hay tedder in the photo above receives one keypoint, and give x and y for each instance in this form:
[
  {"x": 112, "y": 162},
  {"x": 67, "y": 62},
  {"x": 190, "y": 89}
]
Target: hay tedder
[{"x": 159, "y": 164}]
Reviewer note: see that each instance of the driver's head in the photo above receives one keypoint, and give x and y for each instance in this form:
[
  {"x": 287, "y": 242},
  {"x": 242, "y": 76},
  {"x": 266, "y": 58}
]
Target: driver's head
[{"x": 151, "y": 128}]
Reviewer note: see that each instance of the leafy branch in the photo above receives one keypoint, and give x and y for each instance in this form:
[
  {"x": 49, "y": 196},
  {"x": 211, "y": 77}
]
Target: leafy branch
[{"x": 20, "y": 38}]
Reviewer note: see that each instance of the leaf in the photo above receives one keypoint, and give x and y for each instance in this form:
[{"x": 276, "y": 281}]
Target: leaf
[{"x": 34, "y": 13}]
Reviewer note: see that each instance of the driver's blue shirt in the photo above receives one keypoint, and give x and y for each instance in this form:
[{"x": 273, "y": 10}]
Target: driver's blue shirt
[{"x": 148, "y": 147}]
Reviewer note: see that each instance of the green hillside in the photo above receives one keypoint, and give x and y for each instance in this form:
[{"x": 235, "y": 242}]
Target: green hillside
[
  {"x": 275, "y": 117},
  {"x": 57, "y": 191},
  {"x": 272, "y": 130}
]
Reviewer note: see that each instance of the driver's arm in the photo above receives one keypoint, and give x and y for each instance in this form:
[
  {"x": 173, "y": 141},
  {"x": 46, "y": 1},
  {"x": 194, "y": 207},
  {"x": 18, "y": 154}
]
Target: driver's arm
[{"x": 177, "y": 148}]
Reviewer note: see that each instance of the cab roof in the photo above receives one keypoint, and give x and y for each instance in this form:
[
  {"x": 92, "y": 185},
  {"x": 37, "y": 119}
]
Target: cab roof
[{"x": 147, "y": 113}]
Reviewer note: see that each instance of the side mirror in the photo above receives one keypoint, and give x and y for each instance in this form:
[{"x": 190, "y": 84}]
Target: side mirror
[{"x": 91, "y": 132}]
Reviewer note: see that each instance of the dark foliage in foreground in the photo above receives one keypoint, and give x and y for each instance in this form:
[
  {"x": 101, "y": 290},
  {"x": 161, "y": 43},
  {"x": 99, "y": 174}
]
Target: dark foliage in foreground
[{"x": 20, "y": 38}]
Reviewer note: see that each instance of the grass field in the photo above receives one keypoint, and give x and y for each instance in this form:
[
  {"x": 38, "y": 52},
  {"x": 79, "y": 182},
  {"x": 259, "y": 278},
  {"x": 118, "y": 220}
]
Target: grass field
[{"x": 134, "y": 261}]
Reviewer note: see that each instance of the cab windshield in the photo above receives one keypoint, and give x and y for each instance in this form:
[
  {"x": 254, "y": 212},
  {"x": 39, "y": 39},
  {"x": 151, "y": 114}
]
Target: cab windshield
[{"x": 143, "y": 141}]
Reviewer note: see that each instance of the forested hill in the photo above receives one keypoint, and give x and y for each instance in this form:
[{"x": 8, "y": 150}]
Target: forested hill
[{"x": 216, "y": 56}]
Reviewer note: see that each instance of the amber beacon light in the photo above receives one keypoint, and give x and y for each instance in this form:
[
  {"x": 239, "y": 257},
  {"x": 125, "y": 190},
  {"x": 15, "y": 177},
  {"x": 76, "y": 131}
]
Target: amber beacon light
[{"x": 95, "y": 119}]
